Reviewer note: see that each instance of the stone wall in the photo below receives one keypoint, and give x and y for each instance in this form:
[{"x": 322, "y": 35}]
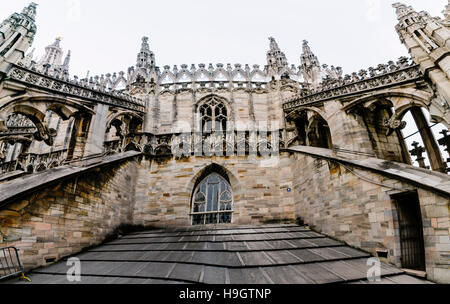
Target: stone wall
[
  {"x": 435, "y": 211},
  {"x": 179, "y": 109},
  {"x": 363, "y": 214},
  {"x": 260, "y": 189},
  {"x": 63, "y": 219}
]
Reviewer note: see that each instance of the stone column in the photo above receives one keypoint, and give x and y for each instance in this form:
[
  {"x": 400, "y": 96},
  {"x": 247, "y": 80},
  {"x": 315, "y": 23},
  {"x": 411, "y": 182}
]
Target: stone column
[
  {"x": 148, "y": 119},
  {"x": 431, "y": 146},
  {"x": 97, "y": 131},
  {"x": 404, "y": 148}
]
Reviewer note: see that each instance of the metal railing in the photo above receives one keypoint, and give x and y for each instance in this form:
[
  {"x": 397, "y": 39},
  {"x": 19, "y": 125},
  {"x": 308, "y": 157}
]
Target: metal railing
[{"x": 10, "y": 265}]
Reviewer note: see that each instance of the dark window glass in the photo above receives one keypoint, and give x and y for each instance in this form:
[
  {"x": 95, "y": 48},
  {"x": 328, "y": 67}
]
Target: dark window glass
[
  {"x": 214, "y": 116},
  {"x": 212, "y": 201}
]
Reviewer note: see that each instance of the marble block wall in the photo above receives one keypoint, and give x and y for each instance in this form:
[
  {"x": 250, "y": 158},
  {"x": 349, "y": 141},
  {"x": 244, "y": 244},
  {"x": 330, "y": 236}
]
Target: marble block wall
[{"x": 69, "y": 216}]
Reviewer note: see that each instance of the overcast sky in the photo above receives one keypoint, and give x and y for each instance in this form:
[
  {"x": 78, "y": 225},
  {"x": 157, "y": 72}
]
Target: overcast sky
[{"x": 105, "y": 35}]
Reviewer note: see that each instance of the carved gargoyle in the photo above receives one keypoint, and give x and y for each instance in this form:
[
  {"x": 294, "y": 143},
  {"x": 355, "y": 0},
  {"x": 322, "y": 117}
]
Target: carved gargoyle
[
  {"x": 393, "y": 124},
  {"x": 45, "y": 134}
]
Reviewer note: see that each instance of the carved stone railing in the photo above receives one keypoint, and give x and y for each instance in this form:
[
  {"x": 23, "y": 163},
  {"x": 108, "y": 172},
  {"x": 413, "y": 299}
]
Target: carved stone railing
[
  {"x": 216, "y": 85},
  {"x": 8, "y": 167},
  {"x": 75, "y": 88},
  {"x": 210, "y": 73},
  {"x": 189, "y": 144},
  {"x": 31, "y": 162},
  {"x": 18, "y": 124},
  {"x": 113, "y": 147},
  {"x": 18, "y": 131},
  {"x": 358, "y": 83}
]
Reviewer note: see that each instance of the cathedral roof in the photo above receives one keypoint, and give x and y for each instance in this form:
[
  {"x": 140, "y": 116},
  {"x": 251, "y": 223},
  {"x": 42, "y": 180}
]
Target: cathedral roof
[{"x": 223, "y": 254}]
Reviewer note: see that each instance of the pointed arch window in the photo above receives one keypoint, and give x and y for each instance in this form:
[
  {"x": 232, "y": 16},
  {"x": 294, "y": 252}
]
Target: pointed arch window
[
  {"x": 212, "y": 202},
  {"x": 214, "y": 116}
]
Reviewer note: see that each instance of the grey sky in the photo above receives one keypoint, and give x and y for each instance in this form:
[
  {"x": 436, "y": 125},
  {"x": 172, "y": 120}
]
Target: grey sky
[{"x": 104, "y": 35}]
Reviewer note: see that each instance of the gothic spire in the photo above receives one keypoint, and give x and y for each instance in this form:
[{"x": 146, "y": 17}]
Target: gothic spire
[
  {"x": 310, "y": 65},
  {"x": 52, "y": 57},
  {"x": 52, "y": 61},
  {"x": 145, "y": 58},
  {"x": 67, "y": 60},
  {"x": 424, "y": 37},
  {"x": 65, "y": 65},
  {"x": 276, "y": 59},
  {"x": 16, "y": 36}
]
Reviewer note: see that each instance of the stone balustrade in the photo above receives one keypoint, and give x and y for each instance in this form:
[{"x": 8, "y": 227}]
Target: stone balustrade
[
  {"x": 31, "y": 162},
  {"x": 188, "y": 144},
  {"x": 90, "y": 90},
  {"x": 218, "y": 73},
  {"x": 385, "y": 75},
  {"x": 18, "y": 124}
]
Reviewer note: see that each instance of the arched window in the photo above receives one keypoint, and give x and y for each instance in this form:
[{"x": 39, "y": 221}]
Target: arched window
[
  {"x": 214, "y": 116},
  {"x": 212, "y": 202}
]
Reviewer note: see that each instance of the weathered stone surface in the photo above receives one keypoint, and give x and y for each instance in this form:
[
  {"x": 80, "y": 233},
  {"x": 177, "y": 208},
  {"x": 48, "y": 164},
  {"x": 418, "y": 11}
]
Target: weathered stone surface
[
  {"x": 90, "y": 208},
  {"x": 78, "y": 158}
]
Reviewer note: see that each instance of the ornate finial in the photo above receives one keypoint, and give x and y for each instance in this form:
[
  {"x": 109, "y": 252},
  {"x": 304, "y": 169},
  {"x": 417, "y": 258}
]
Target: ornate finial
[
  {"x": 273, "y": 44},
  {"x": 402, "y": 10},
  {"x": 446, "y": 11},
  {"x": 306, "y": 48},
  {"x": 418, "y": 153},
  {"x": 57, "y": 41},
  {"x": 145, "y": 46},
  {"x": 30, "y": 10}
]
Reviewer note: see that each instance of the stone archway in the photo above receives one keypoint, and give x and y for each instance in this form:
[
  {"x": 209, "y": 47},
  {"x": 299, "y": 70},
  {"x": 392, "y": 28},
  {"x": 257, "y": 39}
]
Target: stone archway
[
  {"x": 398, "y": 103},
  {"x": 312, "y": 128},
  {"x": 212, "y": 168}
]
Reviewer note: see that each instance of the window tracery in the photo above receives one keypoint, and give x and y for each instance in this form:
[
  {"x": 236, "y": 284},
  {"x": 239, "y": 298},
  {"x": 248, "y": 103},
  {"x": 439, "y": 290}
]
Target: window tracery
[
  {"x": 212, "y": 202},
  {"x": 214, "y": 116}
]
